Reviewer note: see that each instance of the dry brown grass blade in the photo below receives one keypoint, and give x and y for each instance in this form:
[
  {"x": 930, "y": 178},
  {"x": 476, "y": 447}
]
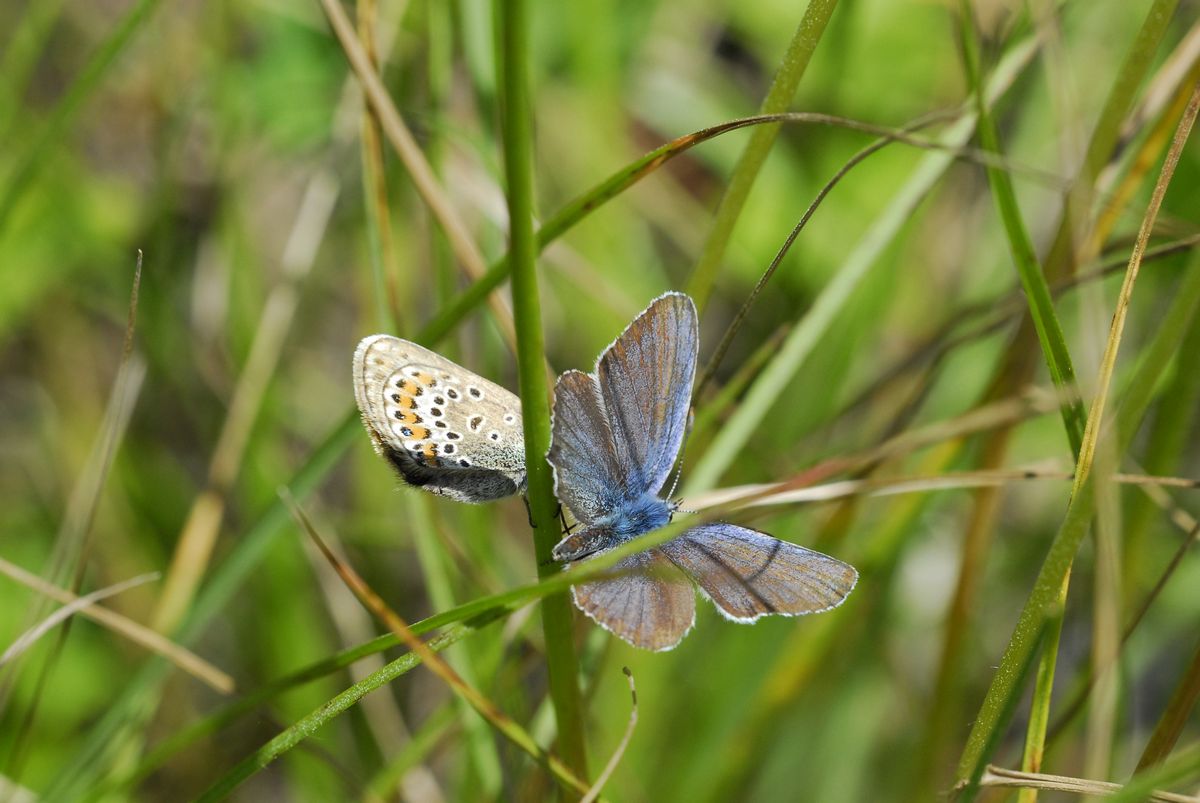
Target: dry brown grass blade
[
  {"x": 27, "y": 639},
  {"x": 461, "y": 243},
  {"x": 1001, "y": 777},
  {"x": 382, "y": 713},
  {"x": 1002, "y": 413},
  {"x": 374, "y": 171},
  {"x": 193, "y": 549},
  {"x": 183, "y": 658},
  {"x": 1108, "y": 363},
  {"x": 72, "y": 541},
  {"x": 784, "y": 493},
  {"x": 486, "y": 708}
]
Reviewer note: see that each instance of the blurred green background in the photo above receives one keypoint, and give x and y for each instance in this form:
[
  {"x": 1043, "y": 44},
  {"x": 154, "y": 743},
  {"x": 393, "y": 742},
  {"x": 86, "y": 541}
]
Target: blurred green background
[{"x": 227, "y": 141}]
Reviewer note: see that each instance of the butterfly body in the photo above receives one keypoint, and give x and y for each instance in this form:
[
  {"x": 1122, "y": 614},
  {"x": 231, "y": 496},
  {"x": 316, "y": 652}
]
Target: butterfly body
[
  {"x": 646, "y": 514},
  {"x": 442, "y": 427},
  {"x": 616, "y": 435}
]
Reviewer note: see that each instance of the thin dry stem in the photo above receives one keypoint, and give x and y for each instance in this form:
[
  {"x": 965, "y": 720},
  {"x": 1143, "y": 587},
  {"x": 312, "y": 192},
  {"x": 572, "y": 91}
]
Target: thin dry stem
[
  {"x": 611, "y": 766},
  {"x": 486, "y": 708},
  {"x": 1001, "y": 777},
  {"x": 194, "y": 547},
  {"x": 182, "y": 657},
  {"x": 457, "y": 234}
]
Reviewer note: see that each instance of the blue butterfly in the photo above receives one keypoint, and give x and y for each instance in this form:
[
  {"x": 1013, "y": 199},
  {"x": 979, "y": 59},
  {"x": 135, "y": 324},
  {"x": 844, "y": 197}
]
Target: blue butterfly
[{"x": 616, "y": 435}]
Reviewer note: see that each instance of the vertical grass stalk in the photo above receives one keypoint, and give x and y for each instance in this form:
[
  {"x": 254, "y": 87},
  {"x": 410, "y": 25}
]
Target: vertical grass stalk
[
  {"x": 516, "y": 131},
  {"x": 1042, "y": 600},
  {"x": 1058, "y": 360},
  {"x": 1033, "y": 281}
]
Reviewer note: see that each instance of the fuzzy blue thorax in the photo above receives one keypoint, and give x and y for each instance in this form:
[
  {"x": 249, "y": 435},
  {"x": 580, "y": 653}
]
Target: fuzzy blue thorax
[
  {"x": 627, "y": 522},
  {"x": 646, "y": 514}
]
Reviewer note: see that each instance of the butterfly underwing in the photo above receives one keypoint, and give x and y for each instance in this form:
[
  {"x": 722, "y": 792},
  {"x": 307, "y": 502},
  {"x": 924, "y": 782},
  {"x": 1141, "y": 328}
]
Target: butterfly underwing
[{"x": 442, "y": 427}]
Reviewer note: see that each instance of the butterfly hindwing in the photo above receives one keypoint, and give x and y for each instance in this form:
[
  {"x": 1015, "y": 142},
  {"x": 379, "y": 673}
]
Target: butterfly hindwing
[
  {"x": 645, "y": 378},
  {"x": 444, "y": 428},
  {"x": 647, "y": 601},
  {"x": 748, "y": 574}
]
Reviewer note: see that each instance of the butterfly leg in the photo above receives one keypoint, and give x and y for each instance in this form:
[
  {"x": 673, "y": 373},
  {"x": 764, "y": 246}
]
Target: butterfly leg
[{"x": 528, "y": 511}]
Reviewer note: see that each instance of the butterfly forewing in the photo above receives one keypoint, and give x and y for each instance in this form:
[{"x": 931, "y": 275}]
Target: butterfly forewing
[
  {"x": 647, "y": 602},
  {"x": 443, "y": 427},
  {"x": 587, "y": 476},
  {"x": 748, "y": 574},
  {"x": 645, "y": 378}
]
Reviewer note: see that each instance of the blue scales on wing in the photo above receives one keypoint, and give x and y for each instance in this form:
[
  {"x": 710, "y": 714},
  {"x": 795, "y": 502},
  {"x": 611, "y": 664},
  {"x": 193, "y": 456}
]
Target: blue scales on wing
[
  {"x": 645, "y": 378},
  {"x": 748, "y": 574}
]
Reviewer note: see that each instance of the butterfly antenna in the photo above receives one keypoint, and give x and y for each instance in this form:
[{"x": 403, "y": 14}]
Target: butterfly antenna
[{"x": 682, "y": 450}]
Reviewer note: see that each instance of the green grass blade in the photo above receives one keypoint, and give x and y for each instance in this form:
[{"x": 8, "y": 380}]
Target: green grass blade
[
  {"x": 1066, "y": 542},
  {"x": 1183, "y": 766},
  {"x": 1175, "y": 716},
  {"x": 779, "y": 97},
  {"x": 309, "y": 725},
  {"x": 557, "y": 613},
  {"x": 1033, "y": 281},
  {"x": 1107, "y": 133},
  {"x": 808, "y": 332}
]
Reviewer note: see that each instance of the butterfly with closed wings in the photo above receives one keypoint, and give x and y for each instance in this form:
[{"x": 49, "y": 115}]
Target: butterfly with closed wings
[{"x": 442, "y": 427}]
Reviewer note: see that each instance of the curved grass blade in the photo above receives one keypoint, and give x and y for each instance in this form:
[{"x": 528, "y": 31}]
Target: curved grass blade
[
  {"x": 807, "y": 333},
  {"x": 783, "y": 88},
  {"x": 993, "y": 714},
  {"x": 1033, "y": 281},
  {"x": 310, "y": 724},
  {"x": 486, "y": 708}
]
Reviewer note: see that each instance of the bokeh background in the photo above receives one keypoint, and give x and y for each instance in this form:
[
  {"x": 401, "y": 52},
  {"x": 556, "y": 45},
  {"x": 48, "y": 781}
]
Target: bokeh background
[{"x": 227, "y": 142}]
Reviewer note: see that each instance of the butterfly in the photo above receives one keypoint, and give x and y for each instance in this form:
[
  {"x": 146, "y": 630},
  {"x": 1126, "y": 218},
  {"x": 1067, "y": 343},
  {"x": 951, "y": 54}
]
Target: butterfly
[
  {"x": 616, "y": 434},
  {"x": 441, "y": 427}
]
